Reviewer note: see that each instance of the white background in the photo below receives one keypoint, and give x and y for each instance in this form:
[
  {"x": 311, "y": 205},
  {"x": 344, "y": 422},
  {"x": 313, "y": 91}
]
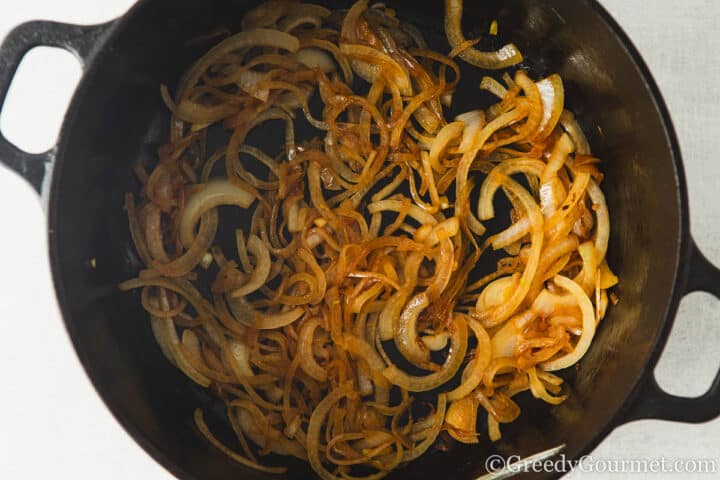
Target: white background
[{"x": 53, "y": 424}]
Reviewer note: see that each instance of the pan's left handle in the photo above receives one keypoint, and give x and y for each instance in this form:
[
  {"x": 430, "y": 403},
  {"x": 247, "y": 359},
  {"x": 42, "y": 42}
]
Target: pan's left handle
[{"x": 79, "y": 40}]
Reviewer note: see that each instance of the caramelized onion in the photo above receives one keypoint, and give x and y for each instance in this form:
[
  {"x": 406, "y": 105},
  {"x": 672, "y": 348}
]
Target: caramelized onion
[
  {"x": 363, "y": 247},
  {"x": 507, "y": 56},
  {"x": 212, "y": 195}
]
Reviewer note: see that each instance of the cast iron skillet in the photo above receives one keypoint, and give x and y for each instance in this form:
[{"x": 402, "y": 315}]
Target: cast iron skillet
[{"x": 116, "y": 119}]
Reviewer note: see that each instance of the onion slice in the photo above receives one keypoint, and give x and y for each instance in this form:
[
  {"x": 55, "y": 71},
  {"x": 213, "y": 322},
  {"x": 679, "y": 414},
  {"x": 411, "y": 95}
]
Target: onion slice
[
  {"x": 507, "y": 56},
  {"x": 479, "y": 364},
  {"x": 260, "y": 273},
  {"x": 588, "y": 326},
  {"x": 458, "y": 347},
  {"x": 212, "y": 195}
]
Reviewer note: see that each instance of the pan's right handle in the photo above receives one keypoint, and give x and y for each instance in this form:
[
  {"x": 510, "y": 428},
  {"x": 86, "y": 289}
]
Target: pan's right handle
[
  {"x": 652, "y": 401},
  {"x": 79, "y": 40}
]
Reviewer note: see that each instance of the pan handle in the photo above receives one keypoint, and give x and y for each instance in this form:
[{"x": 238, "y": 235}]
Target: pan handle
[
  {"x": 79, "y": 40},
  {"x": 652, "y": 402}
]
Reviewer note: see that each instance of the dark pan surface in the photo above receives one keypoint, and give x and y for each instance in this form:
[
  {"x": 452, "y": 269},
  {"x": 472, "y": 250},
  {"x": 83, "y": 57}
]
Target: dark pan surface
[{"x": 117, "y": 119}]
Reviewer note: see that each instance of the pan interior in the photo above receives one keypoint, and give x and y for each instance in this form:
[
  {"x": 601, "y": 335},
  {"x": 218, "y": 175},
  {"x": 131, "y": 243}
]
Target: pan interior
[{"x": 117, "y": 119}]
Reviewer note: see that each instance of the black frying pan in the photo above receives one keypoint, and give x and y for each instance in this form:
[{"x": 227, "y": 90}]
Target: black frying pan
[{"x": 116, "y": 119}]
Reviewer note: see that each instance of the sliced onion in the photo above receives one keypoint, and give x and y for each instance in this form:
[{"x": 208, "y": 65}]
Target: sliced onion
[
  {"x": 447, "y": 134},
  {"x": 562, "y": 148},
  {"x": 515, "y": 232},
  {"x": 461, "y": 419},
  {"x": 194, "y": 255},
  {"x": 483, "y": 353},
  {"x": 197, "y": 113},
  {"x": 474, "y": 121},
  {"x": 253, "y": 38},
  {"x": 500, "y": 313},
  {"x": 586, "y": 277},
  {"x": 431, "y": 433},
  {"x": 406, "y": 335},
  {"x": 570, "y": 125},
  {"x": 164, "y": 328},
  {"x": 214, "y": 194},
  {"x": 444, "y": 266},
  {"x": 340, "y": 58},
  {"x": 265, "y": 321},
  {"x": 458, "y": 347},
  {"x": 305, "y": 353},
  {"x": 266, "y": 14},
  {"x": 479, "y": 140},
  {"x": 552, "y": 93},
  {"x": 249, "y": 81},
  {"x": 437, "y": 341},
  {"x": 505, "y": 340},
  {"x": 539, "y": 391},
  {"x": 588, "y": 328},
  {"x": 317, "y": 421},
  {"x": 260, "y": 273},
  {"x": 507, "y": 56},
  {"x": 496, "y": 88},
  {"x": 315, "y": 58},
  {"x": 391, "y": 311},
  {"x": 602, "y": 233},
  {"x": 607, "y": 278},
  {"x": 241, "y": 353},
  {"x": 496, "y": 293},
  {"x": 369, "y": 64},
  {"x": 547, "y": 303},
  {"x": 574, "y": 197},
  {"x": 202, "y": 426},
  {"x": 395, "y": 205}
]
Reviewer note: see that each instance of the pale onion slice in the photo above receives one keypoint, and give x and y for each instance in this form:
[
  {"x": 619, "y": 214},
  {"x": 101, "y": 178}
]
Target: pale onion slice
[
  {"x": 212, "y": 195},
  {"x": 539, "y": 391},
  {"x": 165, "y": 329},
  {"x": 461, "y": 419},
  {"x": 313, "y": 57},
  {"x": 586, "y": 277},
  {"x": 505, "y": 340},
  {"x": 571, "y": 126},
  {"x": 588, "y": 328},
  {"x": 505, "y": 57},
  {"x": 474, "y": 121},
  {"x": 602, "y": 218},
  {"x": 552, "y": 93},
  {"x": 261, "y": 272},
  {"x": 479, "y": 364},
  {"x": 520, "y": 198},
  {"x": 249, "y": 80},
  {"x": 496, "y": 293},
  {"x": 241, "y": 353},
  {"x": 444, "y": 137},
  {"x": 515, "y": 232},
  {"x": 436, "y": 342}
]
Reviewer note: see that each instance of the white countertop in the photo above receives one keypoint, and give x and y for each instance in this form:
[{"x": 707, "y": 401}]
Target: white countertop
[{"x": 53, "y": 423}]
